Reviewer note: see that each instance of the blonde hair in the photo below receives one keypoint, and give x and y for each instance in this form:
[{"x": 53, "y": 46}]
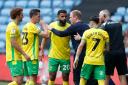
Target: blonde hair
[{"x": 77, "y": 13}]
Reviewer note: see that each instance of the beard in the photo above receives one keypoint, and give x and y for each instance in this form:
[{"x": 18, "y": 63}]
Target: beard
[{"x": 62, "y": 22}]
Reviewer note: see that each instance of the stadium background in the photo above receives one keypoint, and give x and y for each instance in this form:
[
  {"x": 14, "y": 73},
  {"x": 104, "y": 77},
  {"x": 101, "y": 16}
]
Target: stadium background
[{"x": 49, "y": 8}]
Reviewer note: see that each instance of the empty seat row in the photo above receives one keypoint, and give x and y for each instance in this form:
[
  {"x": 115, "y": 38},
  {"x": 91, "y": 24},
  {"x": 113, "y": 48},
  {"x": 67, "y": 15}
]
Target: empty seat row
[
  {"x": 21, "y": 3},
  {"x": 119, "y": 18},
  {"x": 121, "y": 11}
]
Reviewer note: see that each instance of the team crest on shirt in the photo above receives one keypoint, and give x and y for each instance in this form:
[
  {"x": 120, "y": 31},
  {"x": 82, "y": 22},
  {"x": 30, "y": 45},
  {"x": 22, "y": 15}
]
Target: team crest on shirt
[
  {"x": 101, "y": 73},
  {"x": 13, "y": 31}
]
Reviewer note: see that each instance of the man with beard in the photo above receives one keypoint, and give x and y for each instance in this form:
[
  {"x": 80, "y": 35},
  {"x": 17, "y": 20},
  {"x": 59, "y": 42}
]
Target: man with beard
[
  {"x": 14, "y": 51},
  {"x": 59, "y": 54},
  {"x": 76, "y": 30}
]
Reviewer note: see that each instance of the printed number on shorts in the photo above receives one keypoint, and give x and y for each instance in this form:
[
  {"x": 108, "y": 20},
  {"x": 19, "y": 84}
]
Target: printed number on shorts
[
  {"x": 66, "y": 67},
  {"x": 24, "y": 38},
  {"x": 96, "y": 40}
]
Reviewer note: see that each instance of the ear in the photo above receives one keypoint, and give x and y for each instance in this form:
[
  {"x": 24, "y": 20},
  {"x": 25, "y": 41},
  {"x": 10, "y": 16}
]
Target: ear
[{"x": 104, "y": 16}]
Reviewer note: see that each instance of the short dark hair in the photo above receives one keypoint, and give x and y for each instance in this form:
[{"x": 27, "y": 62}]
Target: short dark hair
[
  {"x": 61, "y": 11},
  {"x": 15, "y": 12},
  {"x": 33, "y": 12},
  {"x": 95, "y": 19}
]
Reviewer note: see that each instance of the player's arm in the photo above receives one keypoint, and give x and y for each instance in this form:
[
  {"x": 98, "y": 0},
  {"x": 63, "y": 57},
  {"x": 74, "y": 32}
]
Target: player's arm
[
  {"x": 45, "y": 28},
  {"x": 17, "y": 47},
  {"x": 77, "y": 37},
  {"x": 107, "y": 47},
  {"x": 107, "y": 44},
  {"x": 79, "y": 50},
  {"x": 68, "y": 32},
  {"x": 41, "y": 52}
]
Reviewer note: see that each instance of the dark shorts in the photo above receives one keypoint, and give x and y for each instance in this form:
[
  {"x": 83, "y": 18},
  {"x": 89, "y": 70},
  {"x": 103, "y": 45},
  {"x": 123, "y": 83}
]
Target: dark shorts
[{"x": 116, "y": 60}]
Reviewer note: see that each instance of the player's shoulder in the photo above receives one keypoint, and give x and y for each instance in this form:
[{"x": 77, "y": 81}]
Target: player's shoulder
[
  {"x": 113, "y": 24},
  {"x": 101, "y": 30},
  {"x": 12, "y": 24},
  {"x": 68, "y": 23},
  {"x": 87, "y": 31},
  {"x": 53, "y": 23}
]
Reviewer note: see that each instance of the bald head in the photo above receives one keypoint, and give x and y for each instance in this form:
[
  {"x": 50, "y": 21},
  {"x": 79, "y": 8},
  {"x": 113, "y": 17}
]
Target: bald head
[
  {"x": 105, "y": 12},
  {"x": 104, "y": 15}
]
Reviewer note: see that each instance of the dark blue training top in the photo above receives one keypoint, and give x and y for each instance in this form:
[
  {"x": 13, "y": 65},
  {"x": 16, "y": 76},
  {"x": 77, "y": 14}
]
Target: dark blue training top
[{"x": 79, "y": 27}]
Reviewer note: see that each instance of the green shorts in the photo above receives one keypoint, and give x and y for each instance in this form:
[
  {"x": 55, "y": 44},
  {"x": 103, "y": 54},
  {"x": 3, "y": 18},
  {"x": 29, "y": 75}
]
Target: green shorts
[
  {"x": 99, "y": 71},
  {"x": 15, "y": 68},
  {"x": 31, "y": 67},
  {"x": 53, "y": 65}
]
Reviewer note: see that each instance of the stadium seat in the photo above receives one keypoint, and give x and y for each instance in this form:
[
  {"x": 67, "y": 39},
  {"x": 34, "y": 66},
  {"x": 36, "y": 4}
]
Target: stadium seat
[
  {"x": 124, "y": 27},
  {"x": 26, "y": 11},
  {"x": 9, "y": 4},
  {"x": 47, "y": 19},
  {"x": 77, "y": 2},
  {"x": 45, "y": 3},
  {"x": 3, "y": 20},
  {"x": 1, "y": 4},
  {"x": 2, "y": 36},
  {"x": 68, "y": 3},
  {"x": 21, "y": 26},
  {"x": 45, "y": 11},
  {"x": 116, "y": 18},
  {"x": 58, "y": 3},
  {"x": 21, "y": 3},
  {"x": 3, "y": 28},
  {"x": 5, "y": 12},
  {"x": 2, "y": 45},
  {"x": 25, "y": 19},
  {"x": 126, "y": 18},
  {"x": 33, "y": 4},
  {"x": 121, "y": 11},
  {"x": 56, "y": 10},
  {"x": 127, "y": 11}
]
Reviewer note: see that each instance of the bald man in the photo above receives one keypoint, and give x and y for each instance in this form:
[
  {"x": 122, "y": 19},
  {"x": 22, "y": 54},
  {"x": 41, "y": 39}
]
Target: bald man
[{"x": 116, "y": 56}]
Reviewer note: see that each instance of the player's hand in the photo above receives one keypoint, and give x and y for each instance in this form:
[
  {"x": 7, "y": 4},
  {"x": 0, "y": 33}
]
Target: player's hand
[
  {"x": 41, "y": 22},
  {"x": 27, "y": 57},
  {"x": 49, "y": 28},
  {"x": 75, "y": 62},
  {"x": 77, "y": 36},
  {"x": 41, "y": 55}
]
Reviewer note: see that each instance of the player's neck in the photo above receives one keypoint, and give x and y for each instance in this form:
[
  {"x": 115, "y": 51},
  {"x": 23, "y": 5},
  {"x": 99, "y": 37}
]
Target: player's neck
[
  {"x": 61, "y": 24},
  {"x": 78, "y": 21},
  {"x": 33, "y": 21},
  {"x": 94, "y": 26},
  {"x": 16, "y": 21}
]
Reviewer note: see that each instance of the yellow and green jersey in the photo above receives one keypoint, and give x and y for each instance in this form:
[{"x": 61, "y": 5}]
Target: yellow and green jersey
[
  {"x": 12, "y": 31},
  {"x": 59, "y": 48},
  {"x": 95, "y": 43},
  {"x": 30, "y": 40}
]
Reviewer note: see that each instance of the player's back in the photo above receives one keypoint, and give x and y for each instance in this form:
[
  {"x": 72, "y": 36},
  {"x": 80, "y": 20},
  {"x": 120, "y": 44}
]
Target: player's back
[{"x": 95, "y": 43}]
